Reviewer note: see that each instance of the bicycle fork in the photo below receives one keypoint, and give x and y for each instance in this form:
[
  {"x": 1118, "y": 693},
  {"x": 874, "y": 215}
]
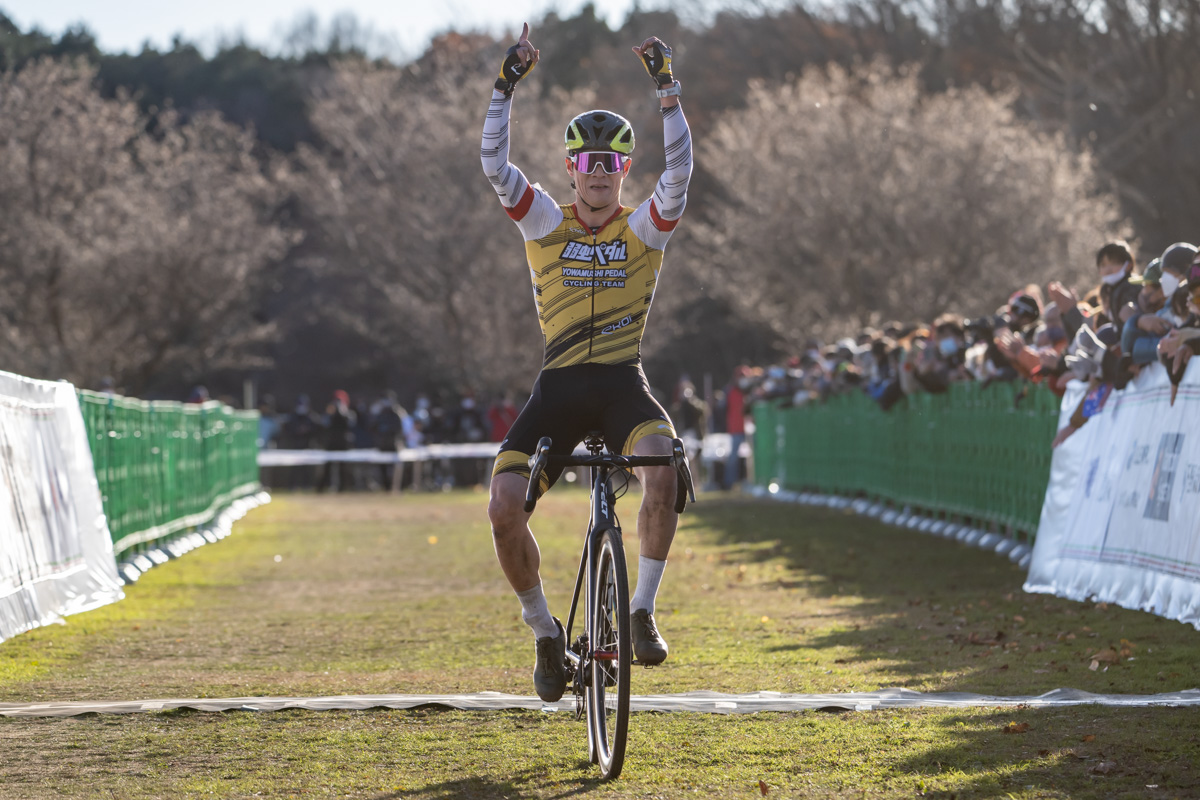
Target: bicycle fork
[{"x": 581, "y": 658}]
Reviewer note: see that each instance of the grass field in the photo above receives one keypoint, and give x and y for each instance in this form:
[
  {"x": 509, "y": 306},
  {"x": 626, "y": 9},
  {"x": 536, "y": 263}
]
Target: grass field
[{"x": 371, "y": 594}]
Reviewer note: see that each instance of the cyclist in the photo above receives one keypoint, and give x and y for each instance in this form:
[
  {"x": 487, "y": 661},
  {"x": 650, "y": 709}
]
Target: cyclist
[{"x": 594, "y": 264}]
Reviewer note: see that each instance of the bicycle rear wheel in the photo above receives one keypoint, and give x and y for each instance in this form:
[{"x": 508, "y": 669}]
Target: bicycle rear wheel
[{"x": 612, "y": 655}]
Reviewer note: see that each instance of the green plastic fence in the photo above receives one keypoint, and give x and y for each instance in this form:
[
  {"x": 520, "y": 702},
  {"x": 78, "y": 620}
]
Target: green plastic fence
[
  {"x": 979, "y": 453},
  {"x": 165, "y": 466}
]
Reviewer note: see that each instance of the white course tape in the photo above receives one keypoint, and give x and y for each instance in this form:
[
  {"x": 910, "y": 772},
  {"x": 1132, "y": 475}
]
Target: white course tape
[{"x": 696, "y": 702}]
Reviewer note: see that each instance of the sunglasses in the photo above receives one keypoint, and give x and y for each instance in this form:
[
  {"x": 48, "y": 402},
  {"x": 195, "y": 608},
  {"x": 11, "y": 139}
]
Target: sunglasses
[{"x": 586, "y": 162}]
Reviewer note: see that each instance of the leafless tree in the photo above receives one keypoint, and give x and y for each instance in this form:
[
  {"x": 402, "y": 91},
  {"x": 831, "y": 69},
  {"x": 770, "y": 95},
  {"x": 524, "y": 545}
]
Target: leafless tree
[
  {"x": 412, "y": 224},
  {"x": 1121, "y": 76},
  {"x": 129, "y": 246},
  {"x": 854, "y": 197}
]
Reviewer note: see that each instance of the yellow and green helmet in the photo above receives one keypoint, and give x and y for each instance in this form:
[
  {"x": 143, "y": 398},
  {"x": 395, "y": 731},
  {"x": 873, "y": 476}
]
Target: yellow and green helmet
[{"x": 600, "y": 130}]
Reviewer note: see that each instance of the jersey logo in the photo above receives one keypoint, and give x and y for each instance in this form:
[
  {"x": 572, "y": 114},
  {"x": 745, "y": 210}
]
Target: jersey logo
[
  {"x": 601, "y": 254},
  {"x": 616, "y": 326},
  {"x": 598, "y": 279}
]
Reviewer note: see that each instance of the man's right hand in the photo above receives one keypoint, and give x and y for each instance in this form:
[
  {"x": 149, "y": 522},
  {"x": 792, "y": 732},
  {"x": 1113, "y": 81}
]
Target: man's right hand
[{"x": 519, "y": 61}]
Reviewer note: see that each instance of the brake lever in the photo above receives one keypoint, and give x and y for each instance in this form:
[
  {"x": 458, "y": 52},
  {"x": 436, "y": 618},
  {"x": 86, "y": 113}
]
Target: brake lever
[
  {"x": 537, "y": 465},
  {"x": 684, "y": 489}
]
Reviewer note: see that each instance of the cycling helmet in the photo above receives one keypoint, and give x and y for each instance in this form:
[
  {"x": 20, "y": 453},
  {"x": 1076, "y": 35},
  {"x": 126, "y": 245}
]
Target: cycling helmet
[{"x": 600, "y": 130}]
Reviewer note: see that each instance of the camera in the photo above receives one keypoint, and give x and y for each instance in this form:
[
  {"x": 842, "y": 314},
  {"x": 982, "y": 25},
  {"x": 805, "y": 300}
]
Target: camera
[{"x": 982, "y": 329}]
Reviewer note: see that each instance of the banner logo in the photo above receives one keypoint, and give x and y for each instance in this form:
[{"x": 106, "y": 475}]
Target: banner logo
[
  {"x": 1191, "y": 479},
  {"x": 1162, "y": 480}
]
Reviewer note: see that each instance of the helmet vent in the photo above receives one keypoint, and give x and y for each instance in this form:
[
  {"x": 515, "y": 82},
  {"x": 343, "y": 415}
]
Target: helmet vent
[{"x": 600, "y": 130}]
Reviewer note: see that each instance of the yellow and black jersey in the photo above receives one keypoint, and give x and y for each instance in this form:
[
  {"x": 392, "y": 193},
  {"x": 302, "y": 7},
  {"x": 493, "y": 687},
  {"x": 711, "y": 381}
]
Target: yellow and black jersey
[{"x": 593, "y": 288}]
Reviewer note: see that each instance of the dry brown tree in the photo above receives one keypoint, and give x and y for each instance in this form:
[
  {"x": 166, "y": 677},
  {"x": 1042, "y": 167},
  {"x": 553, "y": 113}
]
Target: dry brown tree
[
  {"x": 410, "y": 220},
  {"x": 854, "y": 197},
  {"x": 129, "y": 246}
]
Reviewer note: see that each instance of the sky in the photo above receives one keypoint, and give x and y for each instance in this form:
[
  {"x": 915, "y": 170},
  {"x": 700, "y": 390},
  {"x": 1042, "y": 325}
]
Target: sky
[{"x": 123, "y": 25}]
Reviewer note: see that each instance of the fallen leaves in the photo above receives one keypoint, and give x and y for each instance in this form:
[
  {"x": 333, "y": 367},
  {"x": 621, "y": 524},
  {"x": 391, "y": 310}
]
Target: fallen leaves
[
  {"x": 1015, "y": 727},
  {"x": 762, "y": 787},
  {"x": 1106, "y": 656}
]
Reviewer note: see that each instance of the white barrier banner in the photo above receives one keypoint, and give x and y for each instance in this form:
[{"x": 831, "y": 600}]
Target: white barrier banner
[
  {"x": 56, "y": 555},
  {"x": 1121, "y": 519},
  {"x": 714, "y": 446}
]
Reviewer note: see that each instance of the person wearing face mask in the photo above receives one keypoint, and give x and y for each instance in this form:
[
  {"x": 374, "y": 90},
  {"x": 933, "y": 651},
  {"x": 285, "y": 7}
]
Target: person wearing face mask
[
  {"x": 943, "y": 360},
  {"x": 1177, "y": 347},
  {"x": 1118, "y": 296},
  {"x": 1154, "y": 317},
  {"x": 1176, "y": 262}
]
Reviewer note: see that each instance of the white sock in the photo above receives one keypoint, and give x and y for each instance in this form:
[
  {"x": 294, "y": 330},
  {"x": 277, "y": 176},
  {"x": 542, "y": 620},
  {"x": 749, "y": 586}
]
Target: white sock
[
  {"x": 650, "y": 572},
  {"x": 536, "y": 613}
]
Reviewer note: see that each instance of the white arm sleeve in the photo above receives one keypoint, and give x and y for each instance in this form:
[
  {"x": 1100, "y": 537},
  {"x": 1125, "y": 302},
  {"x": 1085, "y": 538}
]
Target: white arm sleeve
[
  {"x": 535, "y": 212},
  {"x": 655, "y": 219}
]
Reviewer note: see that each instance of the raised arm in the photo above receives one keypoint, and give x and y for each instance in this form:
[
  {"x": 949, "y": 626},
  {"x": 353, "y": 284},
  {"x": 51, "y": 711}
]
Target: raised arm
[
  {"x": 656, "y": 218},
  {"x": 513, "y": 189}
]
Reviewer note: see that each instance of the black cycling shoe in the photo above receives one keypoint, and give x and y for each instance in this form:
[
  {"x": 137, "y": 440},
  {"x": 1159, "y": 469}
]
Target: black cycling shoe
[
  {"x": 649, "y": 647},
  {"x": 550, "y": 669}
]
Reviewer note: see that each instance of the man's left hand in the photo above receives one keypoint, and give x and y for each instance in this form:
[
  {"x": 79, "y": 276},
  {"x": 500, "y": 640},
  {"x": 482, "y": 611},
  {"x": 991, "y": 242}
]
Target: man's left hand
[{"x": 656, "y": 57}]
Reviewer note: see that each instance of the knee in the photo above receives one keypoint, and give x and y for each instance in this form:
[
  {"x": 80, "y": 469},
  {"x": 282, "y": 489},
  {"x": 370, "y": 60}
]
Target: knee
[
  {"x": 506, "y": 511},
  {"x": 658, "y": 488}
]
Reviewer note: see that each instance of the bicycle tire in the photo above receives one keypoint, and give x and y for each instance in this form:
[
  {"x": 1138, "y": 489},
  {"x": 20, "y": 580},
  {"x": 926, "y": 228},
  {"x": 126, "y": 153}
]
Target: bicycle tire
[{"x": 612, "y": 656}]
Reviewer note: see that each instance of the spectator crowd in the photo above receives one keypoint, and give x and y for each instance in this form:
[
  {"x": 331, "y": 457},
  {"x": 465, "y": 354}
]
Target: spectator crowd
[{"x": 1049, "y": 335}]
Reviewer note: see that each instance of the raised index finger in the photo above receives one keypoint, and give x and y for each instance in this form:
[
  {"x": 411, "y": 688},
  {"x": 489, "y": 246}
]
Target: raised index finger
[{"x": 524, "y": 33}]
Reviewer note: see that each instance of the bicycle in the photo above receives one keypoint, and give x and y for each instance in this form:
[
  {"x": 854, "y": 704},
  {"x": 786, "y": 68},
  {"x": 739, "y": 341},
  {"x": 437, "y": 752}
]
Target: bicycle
[{"x": 599, "y": 660}]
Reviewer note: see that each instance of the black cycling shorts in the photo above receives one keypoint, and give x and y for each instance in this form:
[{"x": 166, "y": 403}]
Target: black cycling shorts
[{"x": 569, "y": 402}]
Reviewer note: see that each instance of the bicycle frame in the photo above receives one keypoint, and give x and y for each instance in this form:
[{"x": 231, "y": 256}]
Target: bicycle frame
[
  {"x": 603, "y": 562},
  {"x": 603, "y": 517}
]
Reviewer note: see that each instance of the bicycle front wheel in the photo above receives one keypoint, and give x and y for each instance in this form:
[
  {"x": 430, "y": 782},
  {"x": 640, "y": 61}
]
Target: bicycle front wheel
[{"x": 612, "y": 655}]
